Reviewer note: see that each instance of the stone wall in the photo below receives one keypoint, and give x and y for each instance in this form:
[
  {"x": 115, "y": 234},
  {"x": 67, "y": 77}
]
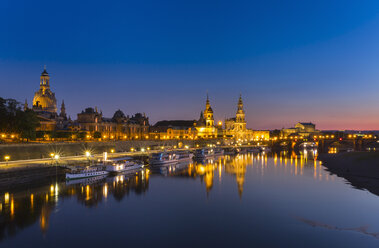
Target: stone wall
[{"x": 35, "y": 151}]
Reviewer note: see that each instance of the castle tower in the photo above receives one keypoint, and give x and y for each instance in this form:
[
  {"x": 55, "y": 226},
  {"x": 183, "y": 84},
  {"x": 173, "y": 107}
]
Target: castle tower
[
  {"x": 208, "y": 114},
  {"x": 240, "y": 116},
  {"x": 44, "y": 99}
]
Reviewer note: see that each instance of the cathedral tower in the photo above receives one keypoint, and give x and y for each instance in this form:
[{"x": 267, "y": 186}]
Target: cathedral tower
[
  {"x": 208, "y": 114},
  {"x": 63, "y": 110},
  {"x": 240, "y": 116}
]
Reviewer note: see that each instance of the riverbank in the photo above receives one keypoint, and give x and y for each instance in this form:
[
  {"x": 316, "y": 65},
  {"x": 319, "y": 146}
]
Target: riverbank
[
  {"x": 38, "y": 174},
  {"x": 360, "y": 169},
  {"x": 363, "y": 164},
  {"x": 41, "y": 151}
]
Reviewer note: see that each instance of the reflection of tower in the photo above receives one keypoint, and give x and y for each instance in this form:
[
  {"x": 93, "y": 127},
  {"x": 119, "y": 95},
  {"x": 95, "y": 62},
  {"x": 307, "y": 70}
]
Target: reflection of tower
[
  {"x": 208, "y": 178},
  {"x": 208, "y": 113},
  {"x": 206, "y": 172},
  {"x": 238, "y": 168},
  {"x": 44, "y": 218}
]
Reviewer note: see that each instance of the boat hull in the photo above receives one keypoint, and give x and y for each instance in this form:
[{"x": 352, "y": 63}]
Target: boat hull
[
  {"x": 155, "y": 162},
  {"x": 124, "y": 169},
  {"x": 73, "y": 176}
]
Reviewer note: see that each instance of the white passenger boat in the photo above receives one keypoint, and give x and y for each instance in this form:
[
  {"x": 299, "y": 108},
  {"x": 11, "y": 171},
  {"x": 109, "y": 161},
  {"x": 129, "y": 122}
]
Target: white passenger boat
[
  {"x": 163, "y": 158},
  {"x": 89, "y": 171},
  {"x": 118, "y": 165},
  {"x": 86, "y": 180}
]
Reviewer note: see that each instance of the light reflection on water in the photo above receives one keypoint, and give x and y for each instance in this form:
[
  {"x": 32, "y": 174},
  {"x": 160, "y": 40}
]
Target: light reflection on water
[{"x": 257, "y": 196}]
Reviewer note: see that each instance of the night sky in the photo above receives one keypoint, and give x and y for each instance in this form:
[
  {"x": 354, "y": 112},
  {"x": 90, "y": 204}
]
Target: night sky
[{"x": 291, "y": 60}]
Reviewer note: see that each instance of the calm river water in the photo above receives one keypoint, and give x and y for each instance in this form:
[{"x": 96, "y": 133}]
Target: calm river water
[{"x": 251, "y": 200}]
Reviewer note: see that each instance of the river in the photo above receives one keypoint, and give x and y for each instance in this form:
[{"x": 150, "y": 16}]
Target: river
[{"x": 250, "y": 200}]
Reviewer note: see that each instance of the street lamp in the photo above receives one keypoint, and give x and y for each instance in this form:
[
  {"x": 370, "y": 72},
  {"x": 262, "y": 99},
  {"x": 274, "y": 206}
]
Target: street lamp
[
  {"x": 88, "y": 155},
  {"x": 7, "y": 157},
  {"x": 56, "y": 157}
]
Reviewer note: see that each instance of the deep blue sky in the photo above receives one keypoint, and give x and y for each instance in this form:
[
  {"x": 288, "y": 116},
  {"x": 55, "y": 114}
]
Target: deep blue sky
[{"x": 291, "y": 60}]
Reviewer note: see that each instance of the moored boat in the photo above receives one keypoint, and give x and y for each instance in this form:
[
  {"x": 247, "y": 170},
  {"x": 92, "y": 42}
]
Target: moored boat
[
  {"x": 121, "y": 165},
  {"x": 204, "y": 153},
  {"x": 89, "y": 171},
  {"x": 253, "y": 149},
  {"x": 162, "y": 158},
  {"x": 183, "y": 155}
]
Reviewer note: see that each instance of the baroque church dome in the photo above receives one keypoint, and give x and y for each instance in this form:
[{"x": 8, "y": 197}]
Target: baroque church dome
[{"x": 44, "y": 99}]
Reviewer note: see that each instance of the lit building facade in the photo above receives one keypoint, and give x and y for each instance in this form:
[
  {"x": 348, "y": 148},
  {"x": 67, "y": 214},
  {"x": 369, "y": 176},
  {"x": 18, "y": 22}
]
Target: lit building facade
[
  {"x": 205, "y": 126},
  {"x": 118, "y": 127},
  {"x": 45, "y": 105},
  {"x": 304, "y": 129},
  {"x": 176, "y": 129}
]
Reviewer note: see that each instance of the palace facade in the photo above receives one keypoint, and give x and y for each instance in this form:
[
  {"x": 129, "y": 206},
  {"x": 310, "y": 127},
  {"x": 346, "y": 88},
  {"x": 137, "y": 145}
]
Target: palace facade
[{"x": 118, "y": 127}]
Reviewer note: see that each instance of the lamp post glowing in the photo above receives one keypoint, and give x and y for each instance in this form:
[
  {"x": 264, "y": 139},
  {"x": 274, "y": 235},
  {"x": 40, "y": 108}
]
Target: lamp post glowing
[
  {"x": 88, "y": 155},
  {"x": 6, "y": 158},
  {"x": 56, "y": 157}
]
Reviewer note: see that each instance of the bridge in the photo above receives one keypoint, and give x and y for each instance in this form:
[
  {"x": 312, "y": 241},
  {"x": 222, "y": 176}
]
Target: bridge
[{"x": 325, "y": 143}]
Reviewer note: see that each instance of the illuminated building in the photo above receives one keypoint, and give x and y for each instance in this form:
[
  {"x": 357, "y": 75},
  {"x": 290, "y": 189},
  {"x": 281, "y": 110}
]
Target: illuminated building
[
  {"x": 305, "y": 129},
  {"x": 44, "y": 98},
  {"x": 176, "y": 129},
  {"x": 117, "y": 127},
  {"x": 45, "y": 105},
  {"x": 235, "y": 128},
  {"x": 205, "y": 126}
]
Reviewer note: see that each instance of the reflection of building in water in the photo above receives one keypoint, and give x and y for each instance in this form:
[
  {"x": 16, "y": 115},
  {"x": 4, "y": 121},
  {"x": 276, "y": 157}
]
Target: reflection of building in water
[
  {"x": 23, "y": 209},
  {"x": 237, "y": 167},
  {"x": 44, "y": 218},
  {"x": 206, "y": 173}
]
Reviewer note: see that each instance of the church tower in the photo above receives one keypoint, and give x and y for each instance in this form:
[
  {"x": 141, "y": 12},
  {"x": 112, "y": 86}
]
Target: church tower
[
  {"x": 63, "y": 110},
  {"x": 26, "y": 105},
  {"x": 240, "y": 116},
  {"x": 208, "y": 114},
  {"x": 44, "y": 99}
]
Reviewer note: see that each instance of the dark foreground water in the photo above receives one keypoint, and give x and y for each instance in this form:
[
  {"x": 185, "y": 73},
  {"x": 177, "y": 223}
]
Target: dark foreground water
[{"x": 244, "y": 201}]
